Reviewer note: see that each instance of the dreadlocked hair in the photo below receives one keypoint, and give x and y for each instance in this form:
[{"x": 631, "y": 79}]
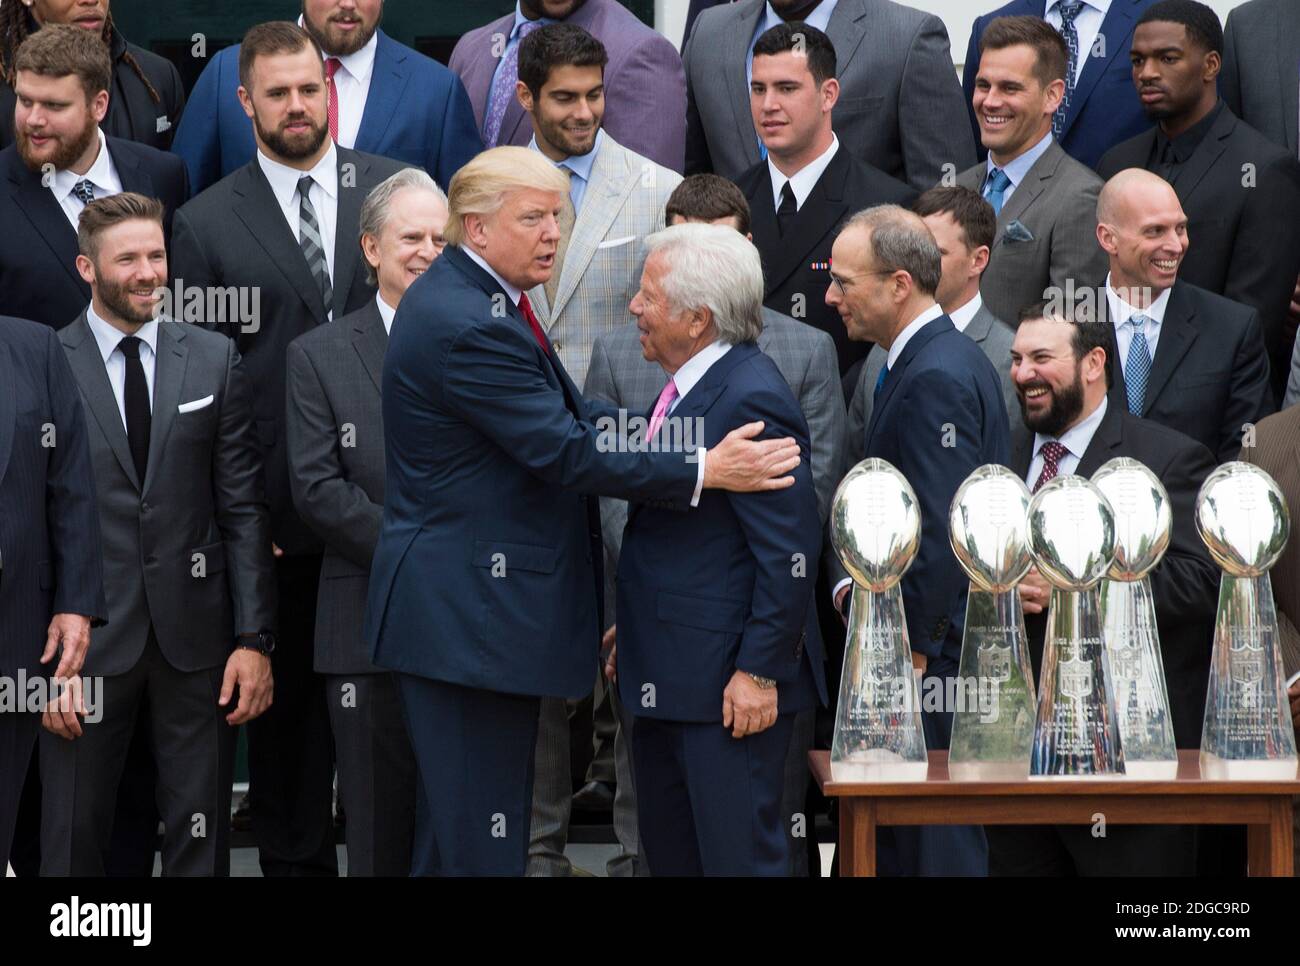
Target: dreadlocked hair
[{"x": 15, "y": 26}]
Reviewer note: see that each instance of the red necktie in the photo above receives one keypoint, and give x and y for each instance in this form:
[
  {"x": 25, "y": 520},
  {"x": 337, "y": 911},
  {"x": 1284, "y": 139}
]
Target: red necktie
[
  {"x": 1052, "y": 453},
  {"x": 526, "y": 307},
  {"x": 332, "y": 64}
]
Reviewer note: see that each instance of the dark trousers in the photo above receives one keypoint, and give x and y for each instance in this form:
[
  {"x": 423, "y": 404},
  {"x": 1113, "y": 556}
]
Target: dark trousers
[
  {"x": 1073, "y": 850},
  {"x": 290, "y": 750},
  {"x": 708, "y": 803},
  {"x": 193, "y": 749},
  {"x": 376, "y": 772},
  {"x": 474, "y": 751},
  {"x": 17, "y": 739}
]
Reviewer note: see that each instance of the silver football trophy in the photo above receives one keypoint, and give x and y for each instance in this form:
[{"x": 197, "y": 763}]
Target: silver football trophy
[
  {"x": 1143, "y": 523},
  {"x": 1072, "y": 538},
  {"x": 876, "y": 530},
  {"x": 993, "y": 718},
  {"x": 1242, "y": 517}
]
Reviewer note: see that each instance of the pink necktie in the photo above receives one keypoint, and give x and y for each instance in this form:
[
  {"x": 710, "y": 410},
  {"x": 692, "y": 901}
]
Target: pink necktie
[
  {"x": 332, "y": 64},
  {"x": 666, "y": 398}
]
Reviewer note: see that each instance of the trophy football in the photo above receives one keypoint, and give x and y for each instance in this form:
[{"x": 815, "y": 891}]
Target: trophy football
[
  {"x": 993, "y": 719},
  {"x": 1242, "y": 517},
  {"x": 876, "y": 530},
  {"x": 1072, "y": 538},
  {"x": 1143, "y": 522}
]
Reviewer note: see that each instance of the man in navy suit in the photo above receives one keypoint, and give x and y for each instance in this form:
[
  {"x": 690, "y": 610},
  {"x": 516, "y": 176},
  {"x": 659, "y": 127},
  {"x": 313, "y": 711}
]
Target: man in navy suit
[
  {"x": 1098, "y": 110},
  {"x": 719, "y": 647},
  {"x": 51, "y": 574},
  {"x": 385, "y": 99},
  {"x": 56, "y": 123},
  {"x": 485, "y": 586},
  {"x": 938, "y": 415}
]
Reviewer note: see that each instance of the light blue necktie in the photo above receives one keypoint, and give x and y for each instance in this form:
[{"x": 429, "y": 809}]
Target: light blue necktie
[
  {"x": 995, "y": 189},
  {"x": 1068, "y": 11},
  {"x": 1137, "y": 367}
]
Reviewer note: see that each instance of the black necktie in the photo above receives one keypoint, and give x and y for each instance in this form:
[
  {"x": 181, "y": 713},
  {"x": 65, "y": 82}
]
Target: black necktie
[
  {"x": 785, "y": 214},
  {"x": 136, "y": 397}
]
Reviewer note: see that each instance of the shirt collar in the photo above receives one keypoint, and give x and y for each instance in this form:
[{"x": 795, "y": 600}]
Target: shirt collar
[
  {"x": 1077, "y": 438},
  {"x": 478, "y": 259},
  {"x": 107, "y": 336},
  {"x": 1184, "y": 145},
  {"x": 386, "y": 312},
  {"x": 805, "y": 179},
  {"x": 100, "y": 173},
  {"x": 819, "y": 18},
  {"x": 284, "y": 179},
  {"x": 1121, "y": 311},
  {"x": 359, "y": 63},
  {"x": 520, "y": 19},
  {"x": 913, "y": 327},
  {"x": 1100, "y": 5},
  {"x": 1017, "y": 168},
  {"x": 962, "y": 315},
  {"x": 579, "y": 164},
  {"x": 694, "y": 368}
]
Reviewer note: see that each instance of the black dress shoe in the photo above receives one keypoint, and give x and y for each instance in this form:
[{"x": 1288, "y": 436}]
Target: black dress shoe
[{"x": 594, "y": 797}]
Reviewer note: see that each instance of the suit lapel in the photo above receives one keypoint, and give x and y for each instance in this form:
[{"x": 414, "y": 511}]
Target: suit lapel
[
  {"x": 256, "y": 206},
  {"x": 1206, "y": 154},
  {"x": 1177, "y": 333},
  {"x": 1105, "y": 443},
  {"x": 821, "y": 211},
  {"x": 1031, "y": 186},
  {"x": 1288, "y": 67},
  {"x": 1022, "y": 450},
  {"x": 46, "y": 217},
  {"x": 910, "y": 351},
  {"x": 133, "y": 177},
  {"x": 169, "y": 376},
  {"x": 1115, "y": 28},
  {"x": 1118, "y": 389},
  {"x": 846, "y": 30},
  {"x": 736, "y": 51},
  {"x": 370, "y": 341},
  {"x": 387, "y": 84},
  {"x": 346, "y": 218},
  {"x": 8, "y": 406},
  {"x": 88, "y": 368},
  {"x": 980, "y": 325},
  {"x": 705, "y": 393}
]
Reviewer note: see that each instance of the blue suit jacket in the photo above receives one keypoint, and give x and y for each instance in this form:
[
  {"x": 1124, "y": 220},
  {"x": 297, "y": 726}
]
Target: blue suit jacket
[
  {"x": 701, "y": 594},
  {"x": 1105, "y": 109},
  {"x": 940, "y": 416},
  {"x": 487, "y": 573},
  {"x": 50, "y": 560},
  {"x": 416, "y": 111}
]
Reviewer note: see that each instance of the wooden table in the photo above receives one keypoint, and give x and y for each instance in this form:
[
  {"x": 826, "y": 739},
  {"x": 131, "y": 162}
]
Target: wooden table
[{"x": 1263, "y": 806}]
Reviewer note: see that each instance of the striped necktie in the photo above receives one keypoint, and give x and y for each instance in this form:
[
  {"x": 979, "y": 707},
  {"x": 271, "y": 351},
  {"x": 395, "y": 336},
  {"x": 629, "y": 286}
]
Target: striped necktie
[{"x": 309, "y": 238}]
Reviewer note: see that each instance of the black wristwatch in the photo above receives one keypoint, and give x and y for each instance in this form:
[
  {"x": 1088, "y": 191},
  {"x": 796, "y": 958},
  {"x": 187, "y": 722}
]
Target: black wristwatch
[{"x": 263, "y": 642}]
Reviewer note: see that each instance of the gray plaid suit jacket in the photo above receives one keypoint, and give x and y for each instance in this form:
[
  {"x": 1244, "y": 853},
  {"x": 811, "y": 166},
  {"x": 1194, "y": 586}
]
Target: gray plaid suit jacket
[
  {"x": 623, "y": 203},
  {"x": 620, "y": 375}
]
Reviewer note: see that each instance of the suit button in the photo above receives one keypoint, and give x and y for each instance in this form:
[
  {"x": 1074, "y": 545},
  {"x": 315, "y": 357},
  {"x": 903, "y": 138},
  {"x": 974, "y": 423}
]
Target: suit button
[
  {"x": 557, "y": 346},
  {"x": 144, "y": 508}
]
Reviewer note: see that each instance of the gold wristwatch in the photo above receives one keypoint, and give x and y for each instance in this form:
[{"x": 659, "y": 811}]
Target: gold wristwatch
[{"x": 765, "y": 684}]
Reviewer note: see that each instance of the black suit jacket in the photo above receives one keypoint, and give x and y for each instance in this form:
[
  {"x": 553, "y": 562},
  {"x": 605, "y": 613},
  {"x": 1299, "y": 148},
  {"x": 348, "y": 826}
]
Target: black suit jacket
[
  {"x": 1185, "y": 583},
  {"x": 792, "y": 284},
  {"x": 38, "y": 245},
  {"x": 49, "y": 527},
  {"x": 1209, "y": 377},
  {"x": 1241, "y": 193},
  {"x": 234, "y": 234}
]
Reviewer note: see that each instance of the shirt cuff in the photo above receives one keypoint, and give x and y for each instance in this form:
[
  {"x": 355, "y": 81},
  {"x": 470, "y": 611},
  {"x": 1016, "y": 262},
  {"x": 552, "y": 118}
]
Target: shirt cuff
[
  {"x": 699, "y": 477},
  {"x": 835, "y": 593}
]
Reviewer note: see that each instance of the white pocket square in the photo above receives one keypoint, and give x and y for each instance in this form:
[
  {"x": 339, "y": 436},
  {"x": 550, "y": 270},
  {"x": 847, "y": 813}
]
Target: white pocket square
[
  {"x": 615, "y": 242},
  {"x": 189, "y": 407}
]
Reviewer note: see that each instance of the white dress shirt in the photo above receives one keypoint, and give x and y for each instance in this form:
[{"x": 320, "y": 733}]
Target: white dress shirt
[
  {"x": 352, "y": 81},
  {"x": 805, "y": 179},
  {"x": 1075, "y": 440},
  {"x": 102, "y": 174},
  {"x": 686, "y": 378},
  {"x": 1087, "y": 24},
  {"x": 1121, "y": 311},
  {"x": 324, "y": 195},
  {"x": 108, "y": 338},
  {"x": 962, "y": 315},
  {"x": 386, "y": 312}
]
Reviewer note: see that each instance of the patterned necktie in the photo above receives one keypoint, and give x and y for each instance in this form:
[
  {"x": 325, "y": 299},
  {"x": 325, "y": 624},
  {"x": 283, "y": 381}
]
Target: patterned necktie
[
  {"x": 503, "y": 89},
  {"x": 666, "y": 397},
  {"x": 1052, "y": 453},
  {"x": 135, "y": 400},
  {"x": 85, "y": 191},
  {"x": 568, "y": 216},
  {"x": 526, "y": 307},
  {"x": 309, "y": 238},
  {"x": 880, "y": 383},
  {"x": 332, "y": 64},
  {"x": 1137, "y": 366},
  {"x": 995, "y": 189},
  {"x": 1068, "y": 11},
  {"x": 789, "y": 208}
]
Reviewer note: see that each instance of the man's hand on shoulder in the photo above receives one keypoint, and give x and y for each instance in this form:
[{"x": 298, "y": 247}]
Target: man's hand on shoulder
[{"x": 745, "y": 465}]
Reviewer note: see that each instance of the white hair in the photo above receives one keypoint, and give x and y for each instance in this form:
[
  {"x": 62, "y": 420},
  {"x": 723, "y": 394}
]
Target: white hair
[{"x": 713, "y": 267}]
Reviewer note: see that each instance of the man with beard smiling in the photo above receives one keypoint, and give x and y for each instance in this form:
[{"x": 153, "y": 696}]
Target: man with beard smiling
[
  {"x": 285, "y": 227},
  {"x": 60, "y": 160},
  {"x": 1060, "y": 364},
  {"x": 383, "y": 98}
]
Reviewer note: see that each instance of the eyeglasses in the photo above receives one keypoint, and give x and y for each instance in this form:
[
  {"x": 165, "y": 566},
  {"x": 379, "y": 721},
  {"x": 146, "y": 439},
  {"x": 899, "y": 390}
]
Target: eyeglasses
[{"x": 839, "y": 281}]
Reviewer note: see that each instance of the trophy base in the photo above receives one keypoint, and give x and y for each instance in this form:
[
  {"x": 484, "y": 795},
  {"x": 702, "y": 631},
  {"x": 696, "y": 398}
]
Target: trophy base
[
  {"x": 988, "y": 771},
  {"x": 1214, "y": 768},
  {"x": 879, "y": 766},
  {"x": 1151, "y": 771}
]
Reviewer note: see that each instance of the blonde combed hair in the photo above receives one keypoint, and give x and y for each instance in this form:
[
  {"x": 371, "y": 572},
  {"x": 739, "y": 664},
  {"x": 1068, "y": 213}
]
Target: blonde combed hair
[{"x": 480, "y": 187}]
